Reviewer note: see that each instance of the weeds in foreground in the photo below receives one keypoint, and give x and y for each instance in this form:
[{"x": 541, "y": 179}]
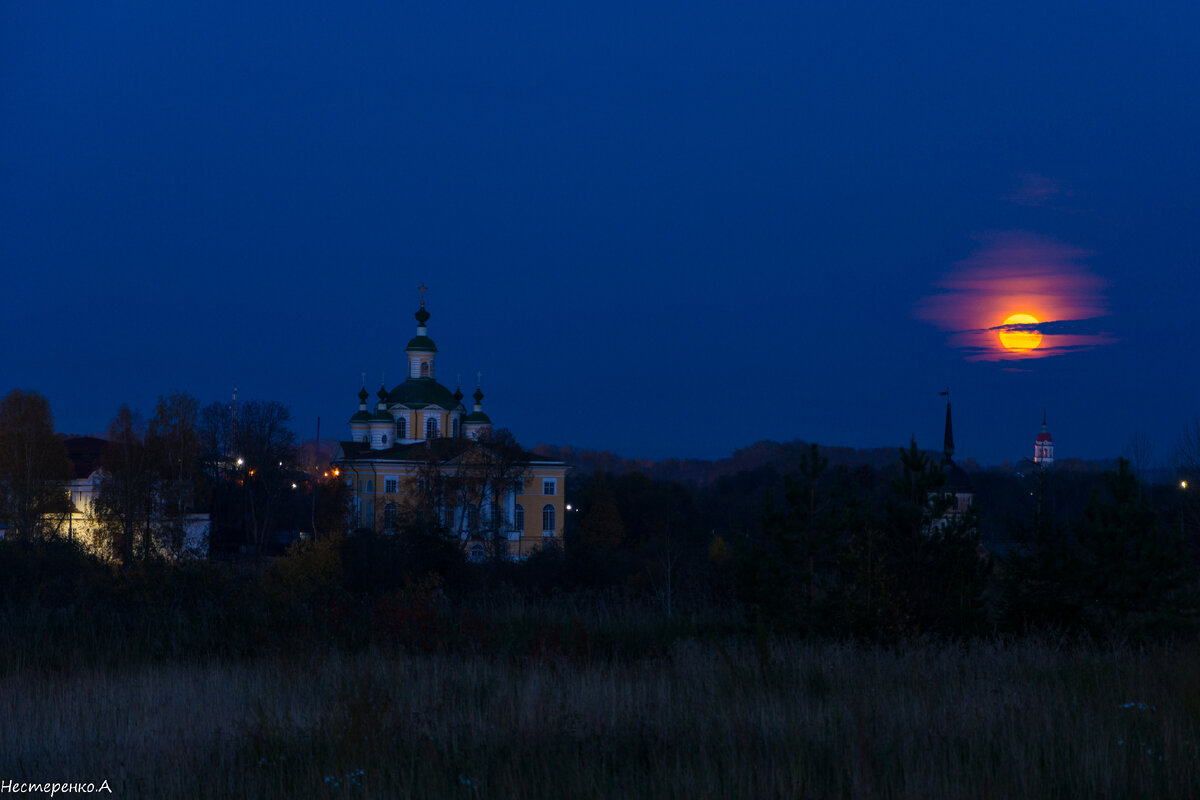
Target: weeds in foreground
[{"x": 1021, "y": 718}]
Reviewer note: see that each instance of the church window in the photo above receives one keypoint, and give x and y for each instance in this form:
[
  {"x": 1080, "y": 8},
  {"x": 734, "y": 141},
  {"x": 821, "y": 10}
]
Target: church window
[
  {"x": 370, "y": 485},
  {"x": 389, "y": 516},
  {"x": 424, "y": 369},
  {"x": 389, "y": 485},
  {"x": 548, "y": 486},
  {"x": 547, "y": 520},
  {"x": 402, "y": 428},
  {"x": 519, "y": 517},
  {"x": 431, "y": 428},
  {"x": 385, "y": 439},
  {"x": 456, "y": 428},
  {"x": 477, "y": 553}
]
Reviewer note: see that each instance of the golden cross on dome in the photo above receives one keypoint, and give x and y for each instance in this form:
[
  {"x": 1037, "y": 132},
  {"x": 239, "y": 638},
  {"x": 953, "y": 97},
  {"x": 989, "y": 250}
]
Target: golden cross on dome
[{"x": 422, "y": 288}]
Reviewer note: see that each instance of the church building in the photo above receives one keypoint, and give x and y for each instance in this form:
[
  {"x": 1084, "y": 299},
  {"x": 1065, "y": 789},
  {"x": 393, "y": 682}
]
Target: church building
[
  {"x": 419, "y": 450},
  {"x": 1043, "y": 446}
]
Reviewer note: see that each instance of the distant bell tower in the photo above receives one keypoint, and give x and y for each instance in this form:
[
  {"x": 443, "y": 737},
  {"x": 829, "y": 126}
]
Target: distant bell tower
[{"x": 1043, "y": 445}]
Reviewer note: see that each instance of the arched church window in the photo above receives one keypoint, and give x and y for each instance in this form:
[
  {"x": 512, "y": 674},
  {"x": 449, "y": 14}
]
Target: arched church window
[
  {"x": 431, "y": 428},
  {"x": 402, "y": 428},
  {"x": 519, "y": 517},
  {"x": 477, "y": 553},
  {"x": 389, "y": 516},
  {"x": 547, "y": 520}
]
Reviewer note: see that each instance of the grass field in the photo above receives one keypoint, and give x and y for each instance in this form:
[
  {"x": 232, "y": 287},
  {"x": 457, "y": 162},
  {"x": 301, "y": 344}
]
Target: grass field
[{"x": 1015, "y": 719}]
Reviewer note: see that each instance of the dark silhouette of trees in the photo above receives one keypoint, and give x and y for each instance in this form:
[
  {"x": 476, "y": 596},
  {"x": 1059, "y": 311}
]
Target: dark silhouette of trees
[
  {"x": 33, "y": 467},
  {"x": 124, "y": 504}
]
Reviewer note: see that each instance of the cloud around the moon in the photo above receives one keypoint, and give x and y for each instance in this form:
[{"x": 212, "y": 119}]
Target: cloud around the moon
[{"x": 1016, "y": 272}]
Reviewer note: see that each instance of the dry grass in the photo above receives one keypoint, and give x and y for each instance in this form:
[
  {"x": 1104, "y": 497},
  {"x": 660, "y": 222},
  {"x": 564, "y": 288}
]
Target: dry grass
[{"x": 1021, "y": 719}]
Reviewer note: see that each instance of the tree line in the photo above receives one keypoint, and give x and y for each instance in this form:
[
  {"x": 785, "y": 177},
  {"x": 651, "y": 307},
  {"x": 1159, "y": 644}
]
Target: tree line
[
  {"x": 239, "y": 467},
  {"x": 821, "y": 549}
]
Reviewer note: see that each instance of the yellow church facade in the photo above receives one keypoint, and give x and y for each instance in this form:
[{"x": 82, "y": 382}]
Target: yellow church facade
[{"x": 419, "y": 454}]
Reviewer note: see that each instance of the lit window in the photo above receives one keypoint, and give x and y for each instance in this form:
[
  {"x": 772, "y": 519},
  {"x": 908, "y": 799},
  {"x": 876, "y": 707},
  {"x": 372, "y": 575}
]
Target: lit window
[
  {"x": 547, "y": 520},
  {"x": 548, "y": 487},
  {"x": 389, "y": 485},
  {"x": 431, "y": 428},
  {"x": 519, "y": 517}
]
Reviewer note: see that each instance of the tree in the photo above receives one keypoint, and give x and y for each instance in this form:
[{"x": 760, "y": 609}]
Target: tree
[
  {"x": 124, "y": 505},
  {"x": 483, "y": 476},
  {"x": 33, "y": 465},
  {"x": 173, "y": 448},
  {"x": 266, "y": 445},
  {"x": 932, "y": 555},
  {"x": 1128, "y": 564}
]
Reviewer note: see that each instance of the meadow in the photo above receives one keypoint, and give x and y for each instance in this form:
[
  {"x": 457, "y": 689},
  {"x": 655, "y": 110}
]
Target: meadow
[{"x": 558, "y": 717}]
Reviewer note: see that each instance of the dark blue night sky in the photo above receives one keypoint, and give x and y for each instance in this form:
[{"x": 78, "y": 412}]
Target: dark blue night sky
[{"x": 664, "y": 229}]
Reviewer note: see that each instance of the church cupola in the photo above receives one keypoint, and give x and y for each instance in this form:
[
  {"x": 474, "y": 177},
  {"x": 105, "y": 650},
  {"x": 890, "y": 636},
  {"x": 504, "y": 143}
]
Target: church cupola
[
  {"x": 383, "y": 424},
  {"x": 477, "y": 422},
  {"x": 1043, "y": 445},
  {"x": 421, "y": 348},
  {"x": 360, "y": 423}
]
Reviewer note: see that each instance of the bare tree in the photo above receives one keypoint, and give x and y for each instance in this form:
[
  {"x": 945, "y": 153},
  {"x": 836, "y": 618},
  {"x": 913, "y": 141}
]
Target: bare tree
[
  {"x": 267, "y": 445},
  {"x": 124, "y": 506},
  {"x": 1139, "y": 452},
  {"x": 173, "y": 449},
  {"x": 483, "y": 478},
  {"x": 33, "y": 465}
]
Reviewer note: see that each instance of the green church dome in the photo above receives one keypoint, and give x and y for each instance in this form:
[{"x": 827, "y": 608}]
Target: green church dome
[
  {"x": 420, "y": 392},
  {"x": 421, "y": 344}
]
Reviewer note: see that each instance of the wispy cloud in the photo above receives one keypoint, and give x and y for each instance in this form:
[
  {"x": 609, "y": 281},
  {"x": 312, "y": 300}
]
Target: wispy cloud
[
  {"x": 1016, "y": 272},
  {"x": 1035, "y": 190}
]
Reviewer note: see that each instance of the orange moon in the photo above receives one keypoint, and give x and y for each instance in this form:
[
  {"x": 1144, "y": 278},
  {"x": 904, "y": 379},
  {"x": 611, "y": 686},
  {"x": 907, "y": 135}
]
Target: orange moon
[{"x": 1020, "y": 341}]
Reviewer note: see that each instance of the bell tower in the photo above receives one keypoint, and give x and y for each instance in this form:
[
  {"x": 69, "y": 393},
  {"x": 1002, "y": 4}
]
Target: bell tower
[{"x": 1043, "y": 445}]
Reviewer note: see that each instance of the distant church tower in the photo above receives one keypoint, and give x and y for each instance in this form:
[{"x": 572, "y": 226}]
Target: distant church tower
[{"x": 1043, "y": 446}]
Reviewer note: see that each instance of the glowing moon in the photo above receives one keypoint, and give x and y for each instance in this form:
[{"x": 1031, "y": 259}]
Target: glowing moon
[{"x": 1020, "y": 341}]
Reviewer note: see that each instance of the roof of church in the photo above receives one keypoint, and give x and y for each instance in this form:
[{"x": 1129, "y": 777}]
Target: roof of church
[
  {"x": 421, "y": 343},
  {"x": 956, "y": 478},
  {"x": 442, "y": 449},
  {"x": 361, "y": 416},
  {"x": 421, "y": 392},
  {"x": 477, "y": 417},
  {"x": 1043, "y": 437}
]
